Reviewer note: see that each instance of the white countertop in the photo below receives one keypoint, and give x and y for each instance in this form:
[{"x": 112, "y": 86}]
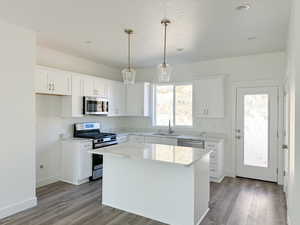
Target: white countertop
[
  {"x": 206, "y": 137},
  {"x": 163, "y": 153}
]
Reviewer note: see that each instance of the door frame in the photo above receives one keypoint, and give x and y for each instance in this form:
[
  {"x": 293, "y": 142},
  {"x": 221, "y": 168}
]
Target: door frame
[
  {"x": 257, "y": 84},
  {"x": 286, "y": 132}
]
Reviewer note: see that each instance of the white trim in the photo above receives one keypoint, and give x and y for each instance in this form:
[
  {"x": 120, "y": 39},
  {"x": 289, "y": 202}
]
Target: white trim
[
  {"x": 202, "y": 217},
  {"x": 17, "y": 207},
  {"x": 216, "y": 179},
  {"x": 174, "y": 107},
  {"x": 46, "y": 181},
  {"x": 258, "y": 83}
]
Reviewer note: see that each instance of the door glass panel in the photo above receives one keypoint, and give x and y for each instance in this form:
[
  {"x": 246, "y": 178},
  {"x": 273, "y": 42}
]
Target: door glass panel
[{"x": 256, "y": 130}]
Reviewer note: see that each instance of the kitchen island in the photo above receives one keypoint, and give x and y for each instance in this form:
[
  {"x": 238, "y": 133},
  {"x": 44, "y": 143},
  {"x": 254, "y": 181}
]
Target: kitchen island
[{"x": 166, "y": 183}]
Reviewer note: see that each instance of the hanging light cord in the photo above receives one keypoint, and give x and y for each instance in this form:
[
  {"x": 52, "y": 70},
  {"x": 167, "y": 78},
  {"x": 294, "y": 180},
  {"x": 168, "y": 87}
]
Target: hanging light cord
[
  {"x": 165, "y": 44},
  {"x": 165, "y": 22},
  {"x": 129, "y": 66}
]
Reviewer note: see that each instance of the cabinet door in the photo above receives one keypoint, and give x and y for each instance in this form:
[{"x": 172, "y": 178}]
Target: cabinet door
[
  {"x": 135, "y": 100},
  {"x": 101, "y": 87},
  {"x": 41, "y": 81},
  {"x": 216, "y": 106},
  {"x": 88, "y": 85},
  {"x": 116, "y": 96},
  {"x": 85, "y": 162},
  {"x": 60, "y": 81},
  {"x": 209, "y": 97},
  {"x": 77, "y": 95}
]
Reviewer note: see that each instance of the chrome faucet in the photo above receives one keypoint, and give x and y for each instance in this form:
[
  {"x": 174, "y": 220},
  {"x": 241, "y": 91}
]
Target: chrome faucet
[{"x": 170, "y": 130}]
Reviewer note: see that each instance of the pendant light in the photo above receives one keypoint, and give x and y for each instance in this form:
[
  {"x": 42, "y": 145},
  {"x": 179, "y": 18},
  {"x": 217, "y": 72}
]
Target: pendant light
[
  {"x": 164, "y": 69},
  {"x": 128, "y": 73}
]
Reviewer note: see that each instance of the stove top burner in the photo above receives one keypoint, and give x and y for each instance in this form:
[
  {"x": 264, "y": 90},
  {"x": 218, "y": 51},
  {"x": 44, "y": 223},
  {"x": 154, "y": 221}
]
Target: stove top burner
[
  {"x": 95, "y": 135},
  {"x": 92, "y": 131}
]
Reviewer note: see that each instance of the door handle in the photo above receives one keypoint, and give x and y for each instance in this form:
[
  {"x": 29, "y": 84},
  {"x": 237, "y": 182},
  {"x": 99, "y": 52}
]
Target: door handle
[
  {"x": 238, "y": 137},
  {"x": 284, "y": 147}
]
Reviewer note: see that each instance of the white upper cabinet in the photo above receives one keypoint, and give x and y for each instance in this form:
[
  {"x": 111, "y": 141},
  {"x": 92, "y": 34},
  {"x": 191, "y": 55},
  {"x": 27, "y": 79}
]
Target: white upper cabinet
[
  {"x": 101, "y": 87},
  {"x": 52, "y": 81},
  {"x": 88, "y": 85},
  {"x": 72, "y": 106},
  {"x": 138, "y": 99},
  {"x": 209, "y": 97},
  {"x": 116, "y": 96}
]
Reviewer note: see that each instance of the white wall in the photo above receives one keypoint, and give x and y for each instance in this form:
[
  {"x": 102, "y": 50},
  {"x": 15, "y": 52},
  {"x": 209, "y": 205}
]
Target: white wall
[
  {"x": 269, "y": 66},
  {"x": 50, "y": 124},
  {"x": 17, "y": 133},
  {"x": 293, "y": 73},
  {"x": 60, "y": 60}
]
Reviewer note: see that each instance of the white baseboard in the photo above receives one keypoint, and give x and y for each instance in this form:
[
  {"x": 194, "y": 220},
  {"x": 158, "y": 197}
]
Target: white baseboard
[
  {"x": 17, "y": 207},
  {"x": 216, "y": 180},
  {"x": 202, "y": 217},
  {"x": 46, "y": 181}
]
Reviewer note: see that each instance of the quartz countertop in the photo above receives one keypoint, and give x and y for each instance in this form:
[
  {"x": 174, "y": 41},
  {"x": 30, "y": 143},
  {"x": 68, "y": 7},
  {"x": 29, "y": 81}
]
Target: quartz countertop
[
  {"x": 205, "y": 137},
  {"x": 185, "y": 156}
]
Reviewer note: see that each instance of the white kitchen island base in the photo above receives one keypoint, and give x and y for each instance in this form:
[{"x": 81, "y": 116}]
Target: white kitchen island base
[{"x": 167, "y": 192}]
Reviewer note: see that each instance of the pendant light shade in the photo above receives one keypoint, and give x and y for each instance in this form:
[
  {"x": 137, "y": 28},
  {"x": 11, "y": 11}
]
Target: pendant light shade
[
  {"x": 164, "y": 70},
  {"x": 164, "y": 73},
  {"x": 129, "y": 73}
]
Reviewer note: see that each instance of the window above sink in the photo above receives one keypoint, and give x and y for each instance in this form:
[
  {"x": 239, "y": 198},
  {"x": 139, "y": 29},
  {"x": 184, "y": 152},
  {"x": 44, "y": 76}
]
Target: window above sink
[{"x": 173, "y": 102}]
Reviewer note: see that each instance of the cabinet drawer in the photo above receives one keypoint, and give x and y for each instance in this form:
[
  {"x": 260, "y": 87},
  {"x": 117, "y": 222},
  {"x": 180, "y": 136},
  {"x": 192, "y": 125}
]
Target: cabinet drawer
[
  {"x": 213, "y": 157},
  {"x": 211, "y": 145},
  {"x": 213, "y": 172}
]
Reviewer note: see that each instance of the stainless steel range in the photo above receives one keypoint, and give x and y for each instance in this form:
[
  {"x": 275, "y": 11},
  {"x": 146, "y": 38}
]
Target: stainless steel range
[{"x": 99, "y": 139}]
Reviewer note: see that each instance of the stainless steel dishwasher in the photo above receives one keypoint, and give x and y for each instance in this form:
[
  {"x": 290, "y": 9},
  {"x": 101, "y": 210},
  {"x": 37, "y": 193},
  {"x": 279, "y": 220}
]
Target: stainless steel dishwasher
[{"x": 191, "y": 143}]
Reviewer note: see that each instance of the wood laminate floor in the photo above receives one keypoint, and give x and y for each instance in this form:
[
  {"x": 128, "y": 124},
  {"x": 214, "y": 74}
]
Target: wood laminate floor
[{"x": 235, "y": 201}]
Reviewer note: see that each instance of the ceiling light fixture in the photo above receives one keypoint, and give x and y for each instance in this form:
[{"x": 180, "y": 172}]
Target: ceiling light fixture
[
  {"x": 244, "y": 6},
  {"x": 129, "y": 73},
  {"x": 164, "y": 69},
  {"x": 252, "y": 38}
]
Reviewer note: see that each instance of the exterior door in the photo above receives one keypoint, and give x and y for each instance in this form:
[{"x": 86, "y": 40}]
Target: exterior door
[{"x": 257, "y": 133}]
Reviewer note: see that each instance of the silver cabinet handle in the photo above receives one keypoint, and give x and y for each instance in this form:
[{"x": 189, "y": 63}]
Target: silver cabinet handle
[
  {"x": 284, "y": 147},
  {"x": 49, "y": 86},
  {"x": 53, "y": 86},
  {"x": 238, "y": 137}
]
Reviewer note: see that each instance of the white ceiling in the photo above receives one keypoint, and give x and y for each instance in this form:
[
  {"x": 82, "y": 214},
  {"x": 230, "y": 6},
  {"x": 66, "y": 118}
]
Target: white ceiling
[{"x": 206, "y": 29}]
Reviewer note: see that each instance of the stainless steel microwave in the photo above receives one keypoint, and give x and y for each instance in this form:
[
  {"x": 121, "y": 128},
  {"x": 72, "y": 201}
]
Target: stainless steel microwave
[{"x": 95, "y": 105}]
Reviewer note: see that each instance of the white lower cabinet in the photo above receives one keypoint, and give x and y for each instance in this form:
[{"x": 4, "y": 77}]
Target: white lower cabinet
[
  {"x": 216, "y": 160},
  {"x": 161, "y": 140},
  {"x": 215, "y": 147},
  {"x": 76, "y": 161},
  {"x": 137, "y": 138}
]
